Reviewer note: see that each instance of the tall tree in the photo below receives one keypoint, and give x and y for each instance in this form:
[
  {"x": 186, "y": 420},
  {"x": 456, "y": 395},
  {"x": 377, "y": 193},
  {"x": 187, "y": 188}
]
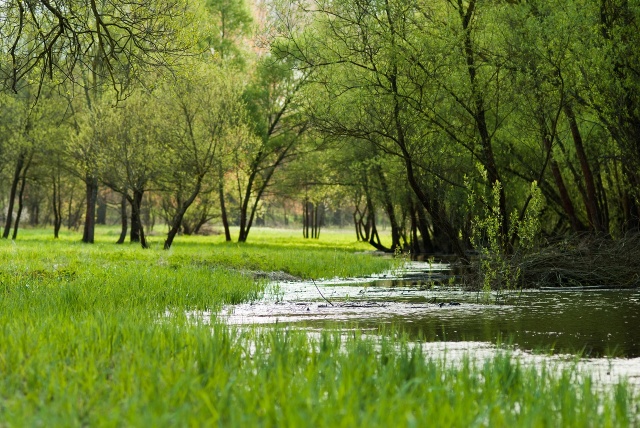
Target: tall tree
[
  {"x": 273, "y": 100},
  {"x": 115, "y": 39},
  {"x": 203, "y": 111}
]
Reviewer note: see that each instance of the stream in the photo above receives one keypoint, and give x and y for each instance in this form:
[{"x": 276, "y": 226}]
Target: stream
[{"x": 423, "y": 301}]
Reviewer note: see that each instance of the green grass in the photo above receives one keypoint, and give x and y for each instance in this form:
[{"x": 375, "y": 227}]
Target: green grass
[
  {"x": 268, "y": 250},
  {"x": 96, "y": 335}
]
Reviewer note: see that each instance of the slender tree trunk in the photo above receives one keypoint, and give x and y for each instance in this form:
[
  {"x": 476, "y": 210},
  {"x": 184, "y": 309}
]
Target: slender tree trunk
[
  {"x": 12, "y": 194},
  {"x": 305, "y": 219},
  {"x": 223, "y": 208},
  {"x": 591, "y": 201},
  {"x": 316, "y": 222},
  {"x": 567, "y": 205},
  {"x": 57, "y": 205},
  {"x": 374, "y": 238},
  {"x": 423, "y": 227},
  {"x": 21, "y": 196},
  {"x": 357, "y": 224},
  {"x": 123, "y": 219},
  {"x": 244, "y": 206},
  {"x": 176, "y": 222},
  {"x": 137, "y": 229},
  {"x": 91, "y": 184},
  {"x": 388, "y": 207},
  {"x": 414, "y": 243}
]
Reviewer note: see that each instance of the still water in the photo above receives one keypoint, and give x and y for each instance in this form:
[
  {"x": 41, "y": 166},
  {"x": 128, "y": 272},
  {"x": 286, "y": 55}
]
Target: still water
[{"x": 423, "y": 301}]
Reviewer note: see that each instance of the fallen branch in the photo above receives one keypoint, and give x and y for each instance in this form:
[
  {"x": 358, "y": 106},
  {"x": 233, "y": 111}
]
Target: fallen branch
[{"x": 327, "y": 300}]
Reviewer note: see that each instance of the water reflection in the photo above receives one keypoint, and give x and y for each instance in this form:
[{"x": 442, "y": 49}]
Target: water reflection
[{"x": 591, "y": 323}]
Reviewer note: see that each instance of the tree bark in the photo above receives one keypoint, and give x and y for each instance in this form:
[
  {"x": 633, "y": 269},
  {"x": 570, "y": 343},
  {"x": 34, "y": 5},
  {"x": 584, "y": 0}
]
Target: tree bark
[
  {"x": 176, "y": 222},
  {"x": 57, "y": 205},
  {"x": 12, "y": 193},
  {"x": 91, "y": 184},
  {"x": 223, "y": 208},
  {"x": 137, "y": 229},
  {"x": 21, "y": 196},
  {"x": 567, "y": 204},
  {"x": 123, "y": 219},
  {"x": 591, "y": 201},
  {"x": 388, "y": 207}
]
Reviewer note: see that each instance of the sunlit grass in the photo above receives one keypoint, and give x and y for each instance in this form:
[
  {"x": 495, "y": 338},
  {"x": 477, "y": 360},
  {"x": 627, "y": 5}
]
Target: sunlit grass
[
  {"x": 96, "y": 335},
  {"x": 269, "y": 250}
]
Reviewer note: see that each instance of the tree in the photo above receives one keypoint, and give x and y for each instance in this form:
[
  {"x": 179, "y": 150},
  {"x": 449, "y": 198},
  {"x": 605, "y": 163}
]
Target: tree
[
  {"x": 131, "y": 154},
  {"x": 113, "y": 39},
  {"x": 203, "y": 111},
  {"x": 273, "y": 102}
]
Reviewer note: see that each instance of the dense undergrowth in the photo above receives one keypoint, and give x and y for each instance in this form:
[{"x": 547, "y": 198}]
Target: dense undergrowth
[
  {"x": 582, "y": 261},
  {"x": 98, "y": 336}
]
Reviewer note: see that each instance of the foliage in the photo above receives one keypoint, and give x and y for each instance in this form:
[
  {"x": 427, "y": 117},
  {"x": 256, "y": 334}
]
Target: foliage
[
  {"x": 498, "y": 260},
  {"x": 116, "y": 40}
]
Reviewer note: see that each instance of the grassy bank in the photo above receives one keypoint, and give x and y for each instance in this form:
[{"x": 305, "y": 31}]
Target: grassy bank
[
  {"x": 95, "y": 335},
  {"x": 116, "y": 369}
]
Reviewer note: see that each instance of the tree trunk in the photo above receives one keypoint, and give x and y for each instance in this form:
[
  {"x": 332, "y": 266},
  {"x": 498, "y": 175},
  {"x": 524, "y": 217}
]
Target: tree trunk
[
  {"x": 91, "y": 184},
  {"x": 567, "y": 205},
  {"x": 12, "y": 194},
  {"x": 591, "y": 201},
  {"x": 176, "y": 222},
  {"x": 479, "y": 117},
  {"x": 223, "y": 208},
  {"x": 388, "y": 207},
  {"x": 137, "y": 229},
  {"x": 57, "y": 205},
  {"x": 123, "y": 219},
  {"x": 423, "y": 226},
  {"x": 21, "y": 196},
  {"x": 438, "y": 219},
  {"x": 305, "y": 219}
]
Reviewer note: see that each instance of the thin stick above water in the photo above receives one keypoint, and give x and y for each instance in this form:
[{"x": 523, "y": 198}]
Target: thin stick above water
[{"x": 327, "y": 300}]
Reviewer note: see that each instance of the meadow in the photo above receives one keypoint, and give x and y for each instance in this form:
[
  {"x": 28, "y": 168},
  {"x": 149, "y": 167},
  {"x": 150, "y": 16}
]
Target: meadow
[{"x": 96, "y": 335}]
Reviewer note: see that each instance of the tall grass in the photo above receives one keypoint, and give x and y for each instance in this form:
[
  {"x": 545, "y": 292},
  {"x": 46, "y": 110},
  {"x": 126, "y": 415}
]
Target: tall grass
[
  {"x": 98, "y": 336},
  {"x": 271, "y": 251},
  {"x": 116, "y": 369}
]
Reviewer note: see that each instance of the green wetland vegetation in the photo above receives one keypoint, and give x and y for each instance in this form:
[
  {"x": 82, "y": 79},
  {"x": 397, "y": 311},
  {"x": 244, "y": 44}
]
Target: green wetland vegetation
[
  {"x": 504, "y": 134},
  {"x": 98, "y": 336}
]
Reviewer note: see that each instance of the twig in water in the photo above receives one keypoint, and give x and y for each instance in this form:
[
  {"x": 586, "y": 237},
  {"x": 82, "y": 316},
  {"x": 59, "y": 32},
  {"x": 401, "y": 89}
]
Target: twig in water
[{"x": 327, "y": 300}]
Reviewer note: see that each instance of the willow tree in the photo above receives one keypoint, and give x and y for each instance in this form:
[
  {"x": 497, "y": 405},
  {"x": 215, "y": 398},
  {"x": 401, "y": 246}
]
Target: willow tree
[
  {"x": 130, "y": 157},
  {"x": 277, "y": 127}
]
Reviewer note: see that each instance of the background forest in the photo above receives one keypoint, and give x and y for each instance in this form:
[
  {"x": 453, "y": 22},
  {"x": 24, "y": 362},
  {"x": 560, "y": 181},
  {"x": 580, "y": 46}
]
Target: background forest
[{"x": 491, "y": 126}]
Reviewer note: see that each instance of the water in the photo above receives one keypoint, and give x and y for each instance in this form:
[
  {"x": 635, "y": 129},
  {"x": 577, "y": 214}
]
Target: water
[
  {"x": 540, "y": 328},
  {"x": 592, "y": 323}
]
